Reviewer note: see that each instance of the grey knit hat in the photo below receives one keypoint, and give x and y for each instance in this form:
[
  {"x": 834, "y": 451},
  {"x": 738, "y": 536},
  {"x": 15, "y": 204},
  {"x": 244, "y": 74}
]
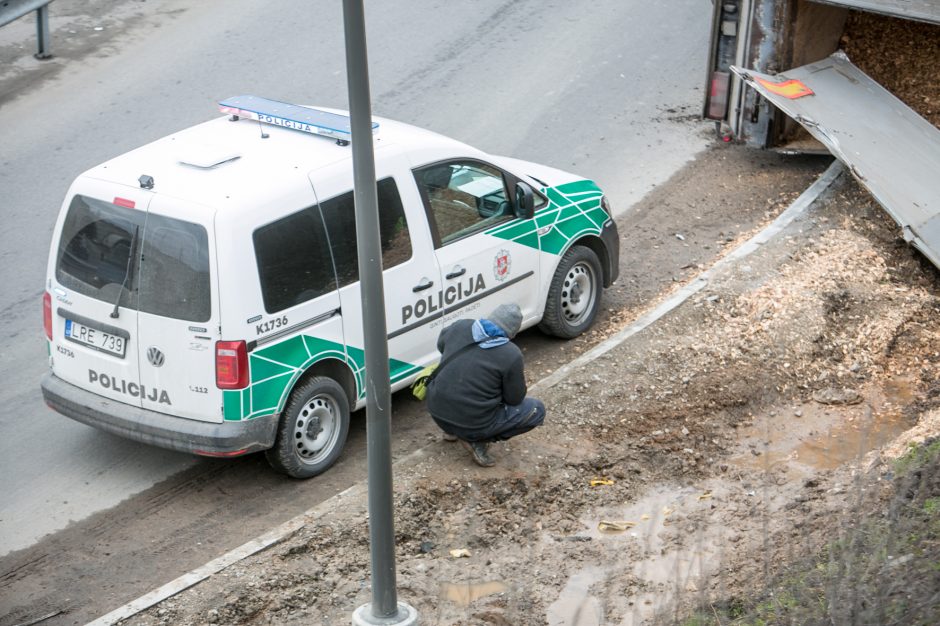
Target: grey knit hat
[{"x": 508, "y": 317}]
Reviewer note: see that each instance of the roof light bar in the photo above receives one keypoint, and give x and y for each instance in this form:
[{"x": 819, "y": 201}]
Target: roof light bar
[{"x": 293, "y": 116}]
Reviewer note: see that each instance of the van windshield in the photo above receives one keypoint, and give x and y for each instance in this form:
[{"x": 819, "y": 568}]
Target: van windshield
[{"x": 168, "y": 274}]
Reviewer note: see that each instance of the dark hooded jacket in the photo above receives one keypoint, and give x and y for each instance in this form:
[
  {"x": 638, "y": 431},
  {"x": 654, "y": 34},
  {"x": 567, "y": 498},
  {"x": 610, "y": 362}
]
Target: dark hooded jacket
[{"x": 472, "y": 388}]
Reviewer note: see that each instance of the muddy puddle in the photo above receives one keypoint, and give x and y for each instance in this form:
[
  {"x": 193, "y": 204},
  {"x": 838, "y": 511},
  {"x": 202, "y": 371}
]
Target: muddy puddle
[
  {"x": 667, "y": 543},
  {"x": 639, "y": 540},
  {"x": 813, "y": 436},
  {"x": 577, "y": 605},
  {"x": 462, "y": 594}
]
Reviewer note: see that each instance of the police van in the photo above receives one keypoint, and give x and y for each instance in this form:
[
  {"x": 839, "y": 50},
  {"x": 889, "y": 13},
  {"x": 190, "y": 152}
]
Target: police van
[{"x": 202, "y": 291}]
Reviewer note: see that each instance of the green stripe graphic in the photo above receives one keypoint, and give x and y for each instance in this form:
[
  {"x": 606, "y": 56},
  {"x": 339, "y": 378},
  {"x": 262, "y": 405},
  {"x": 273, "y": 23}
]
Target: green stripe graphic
[
  {"x": 276, "y": 368},
  {"x": 574, "y": 210}
]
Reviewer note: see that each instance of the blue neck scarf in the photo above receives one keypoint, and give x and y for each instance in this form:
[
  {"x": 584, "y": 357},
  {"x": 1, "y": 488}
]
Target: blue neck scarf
[{"x": 488, "y": 334}]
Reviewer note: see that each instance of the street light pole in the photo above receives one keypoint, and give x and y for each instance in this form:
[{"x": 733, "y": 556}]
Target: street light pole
[{"x": 384, "y": 608}]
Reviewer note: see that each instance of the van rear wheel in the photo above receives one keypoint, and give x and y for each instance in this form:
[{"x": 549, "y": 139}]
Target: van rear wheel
[{"x": 312, "y": 430}]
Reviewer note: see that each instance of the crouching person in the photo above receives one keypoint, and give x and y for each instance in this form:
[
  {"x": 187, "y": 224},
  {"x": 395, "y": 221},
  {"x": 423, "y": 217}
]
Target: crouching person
[{"x": 478, "y": 394}]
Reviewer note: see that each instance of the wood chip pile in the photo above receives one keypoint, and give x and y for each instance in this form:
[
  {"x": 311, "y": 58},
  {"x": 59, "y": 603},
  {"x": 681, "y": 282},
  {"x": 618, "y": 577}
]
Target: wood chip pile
[
  {"x": 901, "y": 55},
  {"x": 791, "y": 319},
  {"x": 851, "y": 304}
]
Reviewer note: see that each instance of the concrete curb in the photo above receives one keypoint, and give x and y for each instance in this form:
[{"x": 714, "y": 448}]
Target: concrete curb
[
  {"x": 288, "y": 528},
  {"x": 268, "y": 539}
]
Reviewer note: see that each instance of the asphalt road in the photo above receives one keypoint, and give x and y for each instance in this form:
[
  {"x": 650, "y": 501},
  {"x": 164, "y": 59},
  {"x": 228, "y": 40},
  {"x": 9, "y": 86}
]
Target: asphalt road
[{"x": 593, "y": 87}]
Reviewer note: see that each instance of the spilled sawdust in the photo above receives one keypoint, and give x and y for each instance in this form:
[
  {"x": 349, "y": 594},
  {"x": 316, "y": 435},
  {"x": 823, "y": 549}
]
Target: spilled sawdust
[
  {"x": 901, "y": 55},
  {"x": 836, "y": 302}
]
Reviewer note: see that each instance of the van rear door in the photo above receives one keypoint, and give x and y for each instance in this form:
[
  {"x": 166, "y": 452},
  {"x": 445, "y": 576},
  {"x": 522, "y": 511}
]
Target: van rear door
[
  {"x": 94, "y": 304},
  {"x": 889, "y": 148},
  {"x": 178, "y": 320}
]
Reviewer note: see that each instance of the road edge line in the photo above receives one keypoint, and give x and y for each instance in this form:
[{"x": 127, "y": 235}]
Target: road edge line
[{"x": 281, "y": 532}]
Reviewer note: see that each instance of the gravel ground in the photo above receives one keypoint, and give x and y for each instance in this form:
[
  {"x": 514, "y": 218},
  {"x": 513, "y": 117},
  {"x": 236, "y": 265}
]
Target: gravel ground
[{"x": 692, "y": 462}]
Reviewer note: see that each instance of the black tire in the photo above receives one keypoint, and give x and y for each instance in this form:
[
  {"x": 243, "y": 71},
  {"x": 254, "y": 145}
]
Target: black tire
[
  {"x": 313, "y": 429},
  {"x": 574, "y": 295}
]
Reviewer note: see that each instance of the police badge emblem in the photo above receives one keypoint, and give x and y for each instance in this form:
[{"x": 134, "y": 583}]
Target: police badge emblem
[{"x": 501, "y": 265}]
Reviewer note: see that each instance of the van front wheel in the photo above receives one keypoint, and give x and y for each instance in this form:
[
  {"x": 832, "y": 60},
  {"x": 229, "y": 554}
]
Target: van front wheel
[
  {"x": 313, "y": 429},
  {"x": 574, "y": 295}
]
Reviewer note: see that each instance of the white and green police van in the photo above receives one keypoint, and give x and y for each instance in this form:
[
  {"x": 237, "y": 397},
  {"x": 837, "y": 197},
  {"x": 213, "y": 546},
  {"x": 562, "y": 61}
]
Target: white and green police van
[{"x": 202, "y": 291}]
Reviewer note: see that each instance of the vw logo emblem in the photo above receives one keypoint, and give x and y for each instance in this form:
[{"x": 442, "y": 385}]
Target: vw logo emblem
[{"x": 155, "y": 357}]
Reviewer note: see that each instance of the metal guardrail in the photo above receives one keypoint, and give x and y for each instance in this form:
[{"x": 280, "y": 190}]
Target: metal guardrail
[{"x": 11, "y": 10}]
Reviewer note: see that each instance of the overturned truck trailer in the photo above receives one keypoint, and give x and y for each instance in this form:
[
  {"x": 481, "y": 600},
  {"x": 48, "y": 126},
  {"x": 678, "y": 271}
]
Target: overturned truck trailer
[{"x": 859, "y": 78}]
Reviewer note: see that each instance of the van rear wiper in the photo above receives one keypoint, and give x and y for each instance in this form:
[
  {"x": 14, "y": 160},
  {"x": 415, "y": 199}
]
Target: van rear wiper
[{"x": 127, "y": 271}]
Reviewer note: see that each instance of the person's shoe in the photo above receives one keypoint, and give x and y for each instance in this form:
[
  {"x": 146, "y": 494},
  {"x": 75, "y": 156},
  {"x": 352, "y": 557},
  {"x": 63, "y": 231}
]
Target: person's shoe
[
  {"x": 449, "y": 437},
  {"x": 479, "y": 450}
]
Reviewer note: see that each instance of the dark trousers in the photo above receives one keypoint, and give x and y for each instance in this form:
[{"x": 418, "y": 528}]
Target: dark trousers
[{"x": 511, "y": 421}]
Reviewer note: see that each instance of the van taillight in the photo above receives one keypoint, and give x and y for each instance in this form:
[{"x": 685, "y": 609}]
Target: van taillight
[
  {"x": 47, "y": 314},
  {"x": 231, "y": 365},
  {"x": 718, "y": 96}
]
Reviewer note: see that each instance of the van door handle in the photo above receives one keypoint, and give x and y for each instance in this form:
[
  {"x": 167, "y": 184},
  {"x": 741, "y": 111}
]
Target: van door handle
[
  {"x": 425, "y": 283},
  {"x": 457, "y": 273}
]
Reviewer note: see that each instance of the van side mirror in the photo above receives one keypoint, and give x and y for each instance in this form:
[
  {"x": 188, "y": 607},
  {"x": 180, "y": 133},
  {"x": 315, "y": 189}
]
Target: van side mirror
[{"x": 525, "y": 201}]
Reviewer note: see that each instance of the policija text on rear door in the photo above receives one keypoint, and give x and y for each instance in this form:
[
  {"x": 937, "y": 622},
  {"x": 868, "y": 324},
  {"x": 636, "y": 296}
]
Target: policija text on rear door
[{"x": 176, "y": 324}]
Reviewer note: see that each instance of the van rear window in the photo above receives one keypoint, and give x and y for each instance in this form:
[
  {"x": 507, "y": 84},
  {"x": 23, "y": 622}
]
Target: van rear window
[{"x": 151, "y": 263}]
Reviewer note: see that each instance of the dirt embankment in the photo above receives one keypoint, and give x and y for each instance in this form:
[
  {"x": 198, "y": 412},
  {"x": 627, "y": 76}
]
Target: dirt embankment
[{"x": 688, "y": 465}]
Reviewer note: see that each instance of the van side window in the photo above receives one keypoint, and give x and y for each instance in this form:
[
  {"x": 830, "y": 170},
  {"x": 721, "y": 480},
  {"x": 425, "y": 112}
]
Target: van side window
[
  {"x": 340, "y": 216},
  {"x": 463, "y": 197},
  {"x": 294, "y": 262}
]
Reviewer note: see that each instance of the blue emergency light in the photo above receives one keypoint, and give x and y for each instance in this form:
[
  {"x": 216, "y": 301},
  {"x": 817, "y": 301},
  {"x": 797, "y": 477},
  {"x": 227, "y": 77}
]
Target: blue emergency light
[{"x": 295, "y": 117}]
